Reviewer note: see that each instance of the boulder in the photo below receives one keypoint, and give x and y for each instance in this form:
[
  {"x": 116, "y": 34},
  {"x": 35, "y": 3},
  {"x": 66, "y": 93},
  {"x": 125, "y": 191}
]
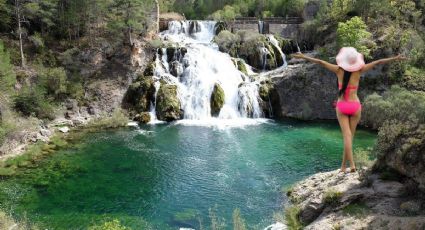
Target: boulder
[
  {"x": 403, "y": 150},
  {"x": 176, "y": 68},
  {"x": 217, "y": 100},
  {"x": 143, "y": 117},
  {"x": 168, "y": 106},
  {"x": 140, "y": 94}
]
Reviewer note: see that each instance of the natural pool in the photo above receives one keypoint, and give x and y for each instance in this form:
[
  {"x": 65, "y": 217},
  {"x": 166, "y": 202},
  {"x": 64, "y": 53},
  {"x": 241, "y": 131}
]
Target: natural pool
[{"x": 171, "y": 175}]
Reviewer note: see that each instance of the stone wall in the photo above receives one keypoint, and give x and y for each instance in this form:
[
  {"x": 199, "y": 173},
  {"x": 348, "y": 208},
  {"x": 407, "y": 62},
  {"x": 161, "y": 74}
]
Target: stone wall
[{"x": 285, "y": 30}]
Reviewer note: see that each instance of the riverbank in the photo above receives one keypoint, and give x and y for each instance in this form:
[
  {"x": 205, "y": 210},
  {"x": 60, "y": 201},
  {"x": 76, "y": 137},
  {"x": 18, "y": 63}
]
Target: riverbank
[{"x": 364, "y": 200}]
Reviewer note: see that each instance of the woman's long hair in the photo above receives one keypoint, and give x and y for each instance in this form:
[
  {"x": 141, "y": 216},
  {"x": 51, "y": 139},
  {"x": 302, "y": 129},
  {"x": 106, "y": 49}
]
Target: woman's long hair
[{"x": 345, "y": 81}]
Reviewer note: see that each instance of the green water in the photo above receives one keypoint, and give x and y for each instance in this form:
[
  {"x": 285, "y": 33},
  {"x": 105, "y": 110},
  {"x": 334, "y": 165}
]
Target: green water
[{"x": 170, "y": 175}]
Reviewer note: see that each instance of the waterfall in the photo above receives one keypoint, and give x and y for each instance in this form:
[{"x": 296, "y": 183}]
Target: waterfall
[
  {"x": 193, "y": 62},
  {"x": 195, "y": 65},
  {"x": 275, "y": 43},
  {"x": 261, "y": 27}
]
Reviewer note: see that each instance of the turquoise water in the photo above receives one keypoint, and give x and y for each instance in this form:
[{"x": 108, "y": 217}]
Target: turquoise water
[{"x": 171, "y": 175}]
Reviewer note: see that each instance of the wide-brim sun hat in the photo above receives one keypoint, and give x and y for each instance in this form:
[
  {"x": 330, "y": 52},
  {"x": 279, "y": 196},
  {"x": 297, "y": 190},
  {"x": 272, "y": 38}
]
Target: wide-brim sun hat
[{"x": 349, "y": 59}]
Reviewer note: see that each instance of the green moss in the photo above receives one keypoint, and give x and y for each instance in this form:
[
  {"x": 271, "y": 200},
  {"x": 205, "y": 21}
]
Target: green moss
[
  {"x": 240, "y": 63},
  {"x": 356, "y": 209},
  {"x": 167, "y": 103},
  {"x": 332, "y": 197},
  {"x": 217, "y": 100}
]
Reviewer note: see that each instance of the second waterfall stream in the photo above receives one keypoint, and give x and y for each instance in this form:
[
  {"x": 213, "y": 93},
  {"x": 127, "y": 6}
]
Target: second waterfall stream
[{"x": 196, "y": 66}]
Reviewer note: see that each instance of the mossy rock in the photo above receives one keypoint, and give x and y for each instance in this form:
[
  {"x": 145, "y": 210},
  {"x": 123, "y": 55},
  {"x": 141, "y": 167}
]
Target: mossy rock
[
  {"x": 143, "y": 117},
  {"x": 220, "y": 26},
  {"x": 264, "y": 91},
  {"x": 150, "y": 69},
  {"x": 140, "y": 94},
  {"x": 168, "y": 107},
  {"x": 241, "y": 66},
  {"x": 175, "y": 53},
  {"x": 217, "y": 100}
]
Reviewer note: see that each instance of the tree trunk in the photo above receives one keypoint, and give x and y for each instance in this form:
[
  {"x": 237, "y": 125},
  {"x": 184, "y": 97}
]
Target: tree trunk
[{"x": 18, "y": 16}]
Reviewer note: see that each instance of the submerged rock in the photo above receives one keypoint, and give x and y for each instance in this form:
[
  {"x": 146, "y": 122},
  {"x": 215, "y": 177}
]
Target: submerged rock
[
  {"x": 217, "y": 100},
  {"x": 168, "y": 107}
]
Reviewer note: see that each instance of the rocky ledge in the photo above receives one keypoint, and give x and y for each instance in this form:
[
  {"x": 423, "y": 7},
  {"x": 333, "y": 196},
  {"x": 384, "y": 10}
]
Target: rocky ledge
[{"x": 335, "y": 200}]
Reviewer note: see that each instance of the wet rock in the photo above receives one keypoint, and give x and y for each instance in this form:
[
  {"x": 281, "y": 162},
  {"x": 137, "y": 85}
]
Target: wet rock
[
  {"x": 143, "y": 117},
  {"x": 176, "y": 69},
  {"x": 168, "y": 106},
  {"x": 217, "y": 100}
]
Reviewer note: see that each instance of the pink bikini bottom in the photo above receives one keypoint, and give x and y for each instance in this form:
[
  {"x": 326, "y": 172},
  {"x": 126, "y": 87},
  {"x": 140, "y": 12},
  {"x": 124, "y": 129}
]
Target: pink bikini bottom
[{"x": 348, "y": 108}]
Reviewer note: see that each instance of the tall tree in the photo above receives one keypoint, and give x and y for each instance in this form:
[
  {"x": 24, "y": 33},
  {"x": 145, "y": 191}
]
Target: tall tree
[{"x": 19, "y": 20}]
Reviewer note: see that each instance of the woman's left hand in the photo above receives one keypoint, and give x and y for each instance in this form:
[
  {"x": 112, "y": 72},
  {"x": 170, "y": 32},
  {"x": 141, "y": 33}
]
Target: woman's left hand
[{"x": 298, "y": 55}]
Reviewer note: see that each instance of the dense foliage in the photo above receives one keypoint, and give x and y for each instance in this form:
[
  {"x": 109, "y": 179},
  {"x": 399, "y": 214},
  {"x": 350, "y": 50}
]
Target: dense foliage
[{"x": 229, "y": 9}]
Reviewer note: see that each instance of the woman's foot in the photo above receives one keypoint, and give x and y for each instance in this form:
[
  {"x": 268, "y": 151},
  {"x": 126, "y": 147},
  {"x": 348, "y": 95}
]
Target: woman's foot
[
  {"x": 343, "y": 170},
  {"x": 353, "y": 170}
]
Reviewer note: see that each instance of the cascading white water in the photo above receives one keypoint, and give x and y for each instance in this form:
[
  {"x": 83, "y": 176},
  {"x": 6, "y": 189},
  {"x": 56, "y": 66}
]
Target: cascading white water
[
  {"x": 275, "y": 43},
  {"x": 200, "y": 68}
]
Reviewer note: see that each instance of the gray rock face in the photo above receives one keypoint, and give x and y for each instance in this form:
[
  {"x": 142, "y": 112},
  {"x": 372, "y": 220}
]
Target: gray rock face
[{"x": 307, "y": 91}]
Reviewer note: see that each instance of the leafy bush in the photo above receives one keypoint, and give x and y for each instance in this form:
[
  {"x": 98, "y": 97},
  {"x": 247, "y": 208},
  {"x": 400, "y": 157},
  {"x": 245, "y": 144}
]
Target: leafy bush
[
  {"x": 397, "y": 104},
  {"x": 414, "y": 79},
  {"x": 228, "y": 42},
  {"x": 353, "y": 33},
  {"x": 7, "y": 76},
  {"x": 31, "y": 102},
  {"x": 53, "y": 80}
]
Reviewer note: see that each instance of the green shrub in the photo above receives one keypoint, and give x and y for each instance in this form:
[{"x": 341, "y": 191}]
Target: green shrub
[
  {"x": 32, "y": 102},
  {"x": 53, "y": 80},
  {"x": 363, "y": 157},
  {"x": 354, "y": 33},
  {"x": 331, "y": 197},
  {"x": 397, "y": 104},
  {"x": 414, "y": 79},
  {"x": 7, "y": 75},
  {"x": 356, "y": 209},
  {"x": 228, "y": 42},
  {"x": 292, "y": 218}
]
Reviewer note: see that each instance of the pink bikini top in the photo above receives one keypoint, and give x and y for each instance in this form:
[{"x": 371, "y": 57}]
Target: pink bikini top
[{"x": 347, "y": 91}]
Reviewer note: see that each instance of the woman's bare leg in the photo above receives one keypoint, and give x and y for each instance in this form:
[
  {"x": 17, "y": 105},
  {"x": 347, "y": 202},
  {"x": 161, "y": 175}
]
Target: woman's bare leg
[
  {"x": 354, "y": 120},
  {"x": 344, "y": 123}
]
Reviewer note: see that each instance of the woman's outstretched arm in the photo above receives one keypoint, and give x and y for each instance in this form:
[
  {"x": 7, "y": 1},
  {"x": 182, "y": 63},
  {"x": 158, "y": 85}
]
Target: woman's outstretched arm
[
  {"x": 370, "y": 66},
  {"x": 327, "y": 65}
]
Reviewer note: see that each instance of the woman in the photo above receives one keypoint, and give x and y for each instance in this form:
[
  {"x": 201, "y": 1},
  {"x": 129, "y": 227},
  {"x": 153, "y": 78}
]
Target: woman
[{"x": 350, "y": 65}]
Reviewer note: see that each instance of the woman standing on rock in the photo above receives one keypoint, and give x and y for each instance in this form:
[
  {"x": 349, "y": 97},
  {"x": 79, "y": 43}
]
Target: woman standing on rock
[{"x": 350, "y": 65}]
